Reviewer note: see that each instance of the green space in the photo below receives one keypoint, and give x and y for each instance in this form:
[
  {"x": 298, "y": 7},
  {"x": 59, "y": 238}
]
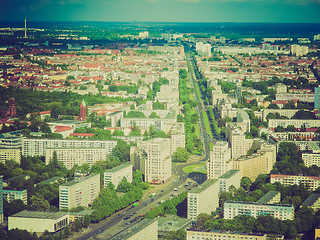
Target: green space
[
  {"x": 201, "y": 168},
  {"x": 207, "y": 123}
]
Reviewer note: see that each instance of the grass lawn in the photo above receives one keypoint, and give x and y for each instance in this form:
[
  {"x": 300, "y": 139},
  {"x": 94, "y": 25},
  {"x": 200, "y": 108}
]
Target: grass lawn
[{"x": 201, "y": 168}]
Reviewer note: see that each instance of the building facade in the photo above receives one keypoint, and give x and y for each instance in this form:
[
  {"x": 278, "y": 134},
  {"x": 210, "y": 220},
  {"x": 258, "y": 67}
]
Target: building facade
[
  {"x": 193, "y": 234},
  {"x": 116, "y": 174},
  {"x": 71, "y": 156},
  {"x": 37, "y": 147},
  {"x": 279, "y": 211},
  {"x": 10, "y": 154},
  {"x": 203, "y": 199},
  {"x": 1, "y": 198},
  {"x": 310, "y": 182},
  {"x": 219, "y": 160},
  {"x": 79, "y": 192},
  {"x": 38, "y": 222},
  {"x": 230, "y": 178},
  {"x": 14, "y": 194}
]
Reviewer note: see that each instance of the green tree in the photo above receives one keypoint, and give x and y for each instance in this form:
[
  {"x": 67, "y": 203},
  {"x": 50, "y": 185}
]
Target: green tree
[
  {"x": 245, "y": 183},
  {"x": 180, "y": 155}
]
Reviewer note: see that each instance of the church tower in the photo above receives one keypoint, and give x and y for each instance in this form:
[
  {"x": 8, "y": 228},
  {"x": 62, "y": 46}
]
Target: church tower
[
  {"x": 83, "y": 111},
  {"x": 12, "y": 107}
]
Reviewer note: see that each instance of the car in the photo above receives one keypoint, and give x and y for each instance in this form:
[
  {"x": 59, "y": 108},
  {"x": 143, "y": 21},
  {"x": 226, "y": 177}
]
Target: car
[{"x": 126, "y": 218}]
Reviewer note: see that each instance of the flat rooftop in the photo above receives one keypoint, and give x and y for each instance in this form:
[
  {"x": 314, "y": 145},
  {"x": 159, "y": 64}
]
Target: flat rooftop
[
  {"x": 172, "y": 223},
  {"x": 257, "y": 203},
  {"x": 203, "y": 186},
  {"x": 118, "y": 168},
  {"x": 311, "y": 199},
  {"x": 75, "y": 181},
  {"x": 50, "y": 180},
  {"x": 129, "y": 232},
  {"x": 268, "y": 196},
  {"x": 42, "y": 215},
  {"x": 229, "y": 174}
]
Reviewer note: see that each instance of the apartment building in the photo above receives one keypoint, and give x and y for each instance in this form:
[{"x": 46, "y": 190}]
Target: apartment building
[
  {"x": 116, "y": 174},
  {"x": 37, "y": 147},
  {"x": 10, "y": 154},
  {"x": 312, "y": 201},
  {"x": 289, "y": 113},
  {"x": 79, "y": 192},
  {"x": 310, "y": 182},
  {"x": 15, "y": 194},
  {"x": 203, "y": 199},
  {"x": 270, "y": 197},
  {"x": 297, "y": 123},
  {"x": 279, "y": 211},
  {"x": 1, "y": 199},
  {"x": 302, "y": 97},
  {"x": 194, "y": 234},
  {"x": 230, "y": 178},
  {"x": 178, "y": 137},
  {"x": 238, "y": 143},
  {"x": 71, "y": 156},
  {"x": 258, "y": 163},
  {"x": 219, "y": 160},
  {"x": 153, "y": 158}
]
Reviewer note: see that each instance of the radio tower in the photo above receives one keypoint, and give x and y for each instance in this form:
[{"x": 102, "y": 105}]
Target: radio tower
[{"x": 25, "y": 28}]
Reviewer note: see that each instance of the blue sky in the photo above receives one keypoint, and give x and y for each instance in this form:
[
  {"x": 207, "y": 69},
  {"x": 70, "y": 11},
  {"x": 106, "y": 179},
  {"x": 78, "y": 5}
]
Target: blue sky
[{"x": 286, "y": 11}]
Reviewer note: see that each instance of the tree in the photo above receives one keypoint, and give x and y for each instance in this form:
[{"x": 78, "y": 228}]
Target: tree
[
  {"x": 290, "y": 105},
  {"x": 122, "y": 151},
  {"x": 39, "y": 203},
  {"x": 180, "y": 155},
  {"x": 291, "y": 128},
  {"x": 279, "y": 129},
  {"x": 245, "y": 183}
]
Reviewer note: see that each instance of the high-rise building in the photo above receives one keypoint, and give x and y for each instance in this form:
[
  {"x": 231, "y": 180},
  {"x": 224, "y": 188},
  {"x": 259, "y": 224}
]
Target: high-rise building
[
  {"x": 10, "y": 154},
  {"x": 220, "y": 160},
  {"x": 203, "y": 199},
  {"x": 1, "y": 199},
  {"x": 298, "y": 50},
  {"x": 79, "y": 192},
  {"x": 83, "y": 111},
  {"x": 317, "y": 98},
  {"x": 153, "y": 159},
  {"x": 25, "y": 28},
  {"x": 230, "y": 178}
]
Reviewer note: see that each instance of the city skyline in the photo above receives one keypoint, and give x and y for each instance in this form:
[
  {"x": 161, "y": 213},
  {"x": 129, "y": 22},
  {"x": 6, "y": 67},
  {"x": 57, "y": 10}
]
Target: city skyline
[{"x": 288, "y": 11}]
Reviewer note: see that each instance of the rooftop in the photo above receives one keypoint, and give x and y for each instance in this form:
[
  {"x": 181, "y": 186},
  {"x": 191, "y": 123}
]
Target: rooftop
[
  {"x": 75, "y": 181},
  {"x": 50, "y": 180},
  {"x": 311, "y": 199},
  {"x": 203, "y": 186},
  {"x": 229, "y": 174},
  {"x": 257, "y": 203},
  {"x": 42, "y": 215},
  {"x": 268, "y": 196},
  {"x": 172, "y": 223},
  {"x": 115, "y": 169},
  {"x": 129, "y": 232}
]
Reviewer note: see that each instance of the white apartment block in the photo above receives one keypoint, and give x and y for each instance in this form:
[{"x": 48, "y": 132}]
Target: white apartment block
[
  {"x": 155, "y": 161},
  {"x": 193, "y": 234},
  {"x": 303, "y": 97},
  {"x": 273, "y": 123},
  {"x": 239, "y": 144},
  {"x": 289, "y": 113},
  {"x": 116, "y": 174},
  {"x": 79, "y": 192},
  {"x": 299, "y": 50},
  {"x": 72, "y": 156},
  {"x": 310, "y": 182},
  {"x": 37, "y": 147},
  {"x": 230, "y": 178},
  {"x": 145, "y": 123},
  {"x": 14, "y": 194},
  {"x": 203, "y": 199},
  {"x": 10, "y": 154},
  {"x": 310, "y": 159},
  {"x": 219, "y": 160},
  {"x": 279, "y": 211}
]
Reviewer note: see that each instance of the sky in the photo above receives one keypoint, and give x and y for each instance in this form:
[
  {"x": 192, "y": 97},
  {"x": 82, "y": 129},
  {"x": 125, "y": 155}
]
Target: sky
[{"x": 283, "y": 11}]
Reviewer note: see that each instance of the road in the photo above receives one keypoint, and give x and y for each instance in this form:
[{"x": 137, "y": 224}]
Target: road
[{"x": 147, "y": 203}]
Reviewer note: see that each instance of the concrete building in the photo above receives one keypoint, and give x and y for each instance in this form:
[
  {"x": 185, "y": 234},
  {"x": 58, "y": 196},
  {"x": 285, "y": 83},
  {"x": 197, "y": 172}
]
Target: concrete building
[
  {"x": 289, "y": 113},
  {"x": 38, "y": 222},
  {"x": 230, "y": 178},
  {"x": 203, "y": 199},
  {"x": 72, "y": 156},
  {"x": 310, "y": 182},
  {"x": 258, "y": 163},
  {"x": 317, "y": 97},
  {"x": 312, "y": 201},
  {"x": 271, "y": 197},
  {"x": 116, "y": 174},
  {"x": 239, "y": 144},
  {"x": 219, "y": 160},
  {"x": 297, "y": 123},
  {"x": 279, "y": 211},
  {"x": 146, "y": 229},
  {"x": 178, "y": 137},
  {"x": 37, "y": 147},
  {"x": 312, "y": 157},
  {"x": 10, "y": 154},
  {"x": 303, "y": 97},
  {"x": 15, "y": 194},
  {"x": 79, "y": 192},
  {"x": 298, "y": 50},
  {"x": 194, "y": 234},
  {"x": 281, "y": 88},
  {"x": 153, "y": 158}
]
